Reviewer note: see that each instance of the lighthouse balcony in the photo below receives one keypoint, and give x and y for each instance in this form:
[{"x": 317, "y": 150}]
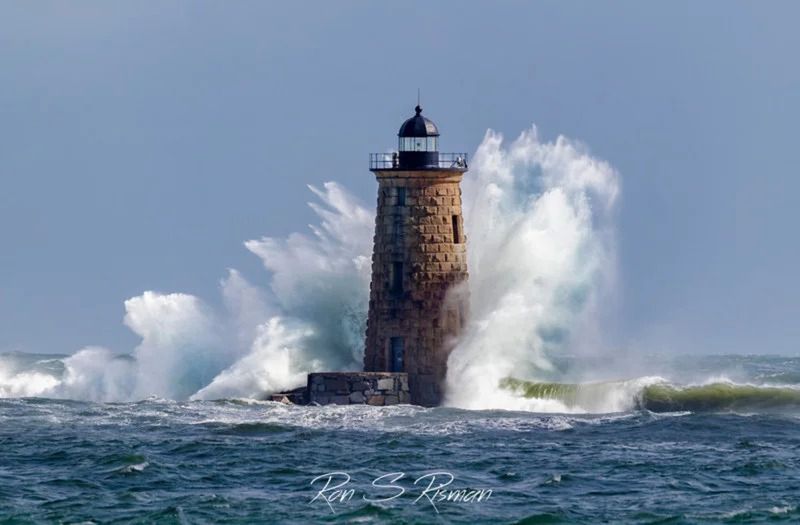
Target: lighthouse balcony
[{"x": 417, "y": 160}]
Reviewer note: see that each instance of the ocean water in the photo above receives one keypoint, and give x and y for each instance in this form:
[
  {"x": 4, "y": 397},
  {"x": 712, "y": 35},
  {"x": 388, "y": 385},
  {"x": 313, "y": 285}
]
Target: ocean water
[
  {"x": 249, "y": 461},
  {"x": 173, "y": 431}
]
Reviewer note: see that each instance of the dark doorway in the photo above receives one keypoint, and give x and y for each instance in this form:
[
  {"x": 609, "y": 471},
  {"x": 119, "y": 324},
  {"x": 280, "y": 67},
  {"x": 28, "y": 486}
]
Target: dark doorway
[
  {"x": 396, "y": 278},
  {"x": 398, "y": 350}
]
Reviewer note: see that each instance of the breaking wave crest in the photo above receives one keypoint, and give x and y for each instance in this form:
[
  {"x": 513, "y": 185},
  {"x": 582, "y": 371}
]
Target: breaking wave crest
[
  {"x": 541, "y": 259},
  {"x": 35, "y": 375},
  {"x": 310, "y": 316},
  {"x": 657, "y": 395},
  {"x": 541, "y": 254}
]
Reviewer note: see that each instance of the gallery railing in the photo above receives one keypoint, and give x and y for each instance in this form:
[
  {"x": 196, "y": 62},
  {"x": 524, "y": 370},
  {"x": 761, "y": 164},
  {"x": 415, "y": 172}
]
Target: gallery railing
[{"x": 394, "y": 161}]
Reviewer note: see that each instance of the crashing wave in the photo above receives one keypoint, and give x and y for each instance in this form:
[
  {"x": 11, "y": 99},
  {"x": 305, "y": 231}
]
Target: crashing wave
[
  {"x": 540, "y": 242},
  {"x": 658, "y": 395}
]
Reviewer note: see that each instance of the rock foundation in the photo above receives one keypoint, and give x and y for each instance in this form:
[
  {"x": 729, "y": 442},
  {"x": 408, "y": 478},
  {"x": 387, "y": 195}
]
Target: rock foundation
[{"x": 358, "y": 388}]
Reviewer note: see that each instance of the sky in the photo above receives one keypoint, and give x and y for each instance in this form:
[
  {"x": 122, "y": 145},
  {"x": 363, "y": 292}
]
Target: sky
[{"x": 142, "y": 142}]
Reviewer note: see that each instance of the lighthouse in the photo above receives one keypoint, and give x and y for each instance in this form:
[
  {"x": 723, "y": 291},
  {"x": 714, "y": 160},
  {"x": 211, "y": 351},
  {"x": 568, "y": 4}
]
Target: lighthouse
[
  {"x": 417, "y": 302},
  {"x": 418, "y": 292}
]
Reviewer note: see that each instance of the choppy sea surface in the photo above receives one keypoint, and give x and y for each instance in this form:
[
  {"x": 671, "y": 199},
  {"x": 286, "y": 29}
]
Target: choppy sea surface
[{"x": 245, "y": 461}]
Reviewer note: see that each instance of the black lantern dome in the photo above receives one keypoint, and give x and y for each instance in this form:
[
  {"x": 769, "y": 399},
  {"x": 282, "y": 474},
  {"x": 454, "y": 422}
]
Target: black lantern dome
[
  {"x": 418, "y": 142},
  {"x": 418, "y": 126},
  {"x": 418, "y": 149}
]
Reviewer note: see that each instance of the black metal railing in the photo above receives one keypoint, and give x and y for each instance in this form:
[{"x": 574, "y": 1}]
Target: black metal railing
[{"x": 394, "y": 161}]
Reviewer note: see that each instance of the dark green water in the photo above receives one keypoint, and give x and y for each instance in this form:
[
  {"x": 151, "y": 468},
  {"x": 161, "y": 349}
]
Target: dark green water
[{"x": 160, "y": 461}]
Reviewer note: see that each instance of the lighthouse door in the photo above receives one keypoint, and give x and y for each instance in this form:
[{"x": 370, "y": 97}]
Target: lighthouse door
[{"x": 397, "y": 349}]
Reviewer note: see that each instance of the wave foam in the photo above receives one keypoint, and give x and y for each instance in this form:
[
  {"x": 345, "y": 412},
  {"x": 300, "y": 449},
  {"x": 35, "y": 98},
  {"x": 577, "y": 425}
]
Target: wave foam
[{"x": 541, "y": 248}]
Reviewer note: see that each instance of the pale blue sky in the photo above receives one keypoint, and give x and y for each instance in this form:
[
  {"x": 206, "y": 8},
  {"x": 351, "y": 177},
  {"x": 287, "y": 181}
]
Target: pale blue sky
[{"x": 142, "y": 142}]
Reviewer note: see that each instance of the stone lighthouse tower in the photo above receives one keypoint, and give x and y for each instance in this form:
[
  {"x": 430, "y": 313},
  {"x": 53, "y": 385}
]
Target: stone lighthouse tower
[{"x": 415, "y": 308}]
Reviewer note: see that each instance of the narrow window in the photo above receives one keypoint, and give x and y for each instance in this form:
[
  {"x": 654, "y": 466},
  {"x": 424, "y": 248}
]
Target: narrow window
[
  {"x": 456, "y": 230},
  {"x": 397, "y": 230},
  {"x": 398, "y": 349},
  {"x": 401, "y": 196},
  {"x": 453, "y": 322},
  {"x": 396, "y": 276}
]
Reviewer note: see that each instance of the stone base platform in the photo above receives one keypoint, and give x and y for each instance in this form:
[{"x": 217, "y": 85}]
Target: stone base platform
[
  {"x": 298, "y": 396},
  {"x": 349, "y": 388},
  {"x": 358, "y": 388}
]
